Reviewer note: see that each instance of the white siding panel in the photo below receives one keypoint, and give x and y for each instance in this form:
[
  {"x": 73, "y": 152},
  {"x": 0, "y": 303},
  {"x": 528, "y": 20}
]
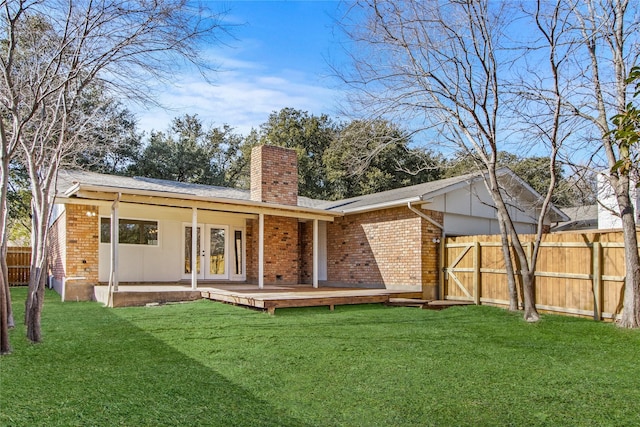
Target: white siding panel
[
  {"x": 161, "y": 263},
  {"x": 463, "y": 225}
]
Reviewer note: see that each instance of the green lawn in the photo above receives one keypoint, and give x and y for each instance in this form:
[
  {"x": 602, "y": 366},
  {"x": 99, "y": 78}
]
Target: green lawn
[{"x": 206, "y": 363}]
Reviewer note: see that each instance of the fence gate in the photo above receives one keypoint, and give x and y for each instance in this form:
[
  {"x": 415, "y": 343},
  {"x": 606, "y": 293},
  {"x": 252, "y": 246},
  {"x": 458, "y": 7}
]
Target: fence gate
[
  {"x": 461, "y": 265},
  {"x": 18, "y": 263}
]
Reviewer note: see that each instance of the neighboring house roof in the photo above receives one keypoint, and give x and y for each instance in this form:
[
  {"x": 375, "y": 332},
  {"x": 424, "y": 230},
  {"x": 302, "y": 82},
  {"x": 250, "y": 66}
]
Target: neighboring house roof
[
  {"x": 580, "y": 218},
  {"x": 69, "y": 182}
]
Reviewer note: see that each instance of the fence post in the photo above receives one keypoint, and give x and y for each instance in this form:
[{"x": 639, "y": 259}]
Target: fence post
[
  {"x": 598, "y": 292},
  {"x": 476, "y": 272}
]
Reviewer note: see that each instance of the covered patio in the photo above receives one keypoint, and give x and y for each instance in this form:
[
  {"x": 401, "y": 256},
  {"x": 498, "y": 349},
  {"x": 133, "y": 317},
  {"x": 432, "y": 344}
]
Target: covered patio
[{"x": 267, "y": 298}]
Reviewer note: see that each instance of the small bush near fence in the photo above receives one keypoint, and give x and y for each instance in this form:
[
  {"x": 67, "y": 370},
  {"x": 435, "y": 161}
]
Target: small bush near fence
[
  {"x": 18, "y": 262},
  {"x": 576, "y": 273}
]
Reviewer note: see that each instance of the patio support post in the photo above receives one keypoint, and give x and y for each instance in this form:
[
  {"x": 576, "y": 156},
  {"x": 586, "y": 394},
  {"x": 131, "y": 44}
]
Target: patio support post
[
  {"x": 315, "y": 253},
  {"x": 113, "y": 256},
  {"x": 194, "y": 248},
  {"x": 261, "y": 250}
]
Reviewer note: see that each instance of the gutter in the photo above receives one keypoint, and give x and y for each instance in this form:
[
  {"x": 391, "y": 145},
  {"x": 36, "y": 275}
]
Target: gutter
[
  {"x": 441, "y": 243},
  {"x": 383, "y": 205}
]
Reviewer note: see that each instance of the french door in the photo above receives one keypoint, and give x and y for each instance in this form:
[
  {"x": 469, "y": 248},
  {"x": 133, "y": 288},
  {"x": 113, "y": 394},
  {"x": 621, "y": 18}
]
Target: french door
[{"x": 212, "y": 252}]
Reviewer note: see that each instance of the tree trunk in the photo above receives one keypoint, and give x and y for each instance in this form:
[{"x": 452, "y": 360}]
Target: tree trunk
[
  {"x": 527, "y": 271},
  {"x": 6, "y": 313},
  {"x": 5, "y": 346},
  {"x": 37, "y": 276},
  {"x": 530, "y": 311},
  {"x": 35, "y": 300},
  {"x": 508, "y": 264},
  {"x": 4, "y": 272},
  {"x": 630, "y": 317}
]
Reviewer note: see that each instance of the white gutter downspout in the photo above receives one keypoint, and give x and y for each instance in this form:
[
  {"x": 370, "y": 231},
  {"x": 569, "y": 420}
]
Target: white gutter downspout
[
  {"x": 422, "y": 215},
  {"x": 441, "y": 241}
]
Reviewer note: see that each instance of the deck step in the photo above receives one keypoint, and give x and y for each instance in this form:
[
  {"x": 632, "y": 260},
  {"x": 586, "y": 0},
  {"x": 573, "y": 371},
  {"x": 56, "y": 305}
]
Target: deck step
[
  {"x": 425, "y": 304},
  {"x": 442, "y": 304},
  {"x": 407, "y": 302}
]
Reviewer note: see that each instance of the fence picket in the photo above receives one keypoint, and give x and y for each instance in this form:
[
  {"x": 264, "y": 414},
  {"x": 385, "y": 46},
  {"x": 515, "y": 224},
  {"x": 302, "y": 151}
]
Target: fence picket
[
  {"x": 577, "y": 273},
  {"x": 18, "y": 265}
]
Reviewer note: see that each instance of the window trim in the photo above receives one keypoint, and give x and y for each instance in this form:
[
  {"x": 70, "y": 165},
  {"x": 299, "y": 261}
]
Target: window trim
[{"x": 140, "y": 220}]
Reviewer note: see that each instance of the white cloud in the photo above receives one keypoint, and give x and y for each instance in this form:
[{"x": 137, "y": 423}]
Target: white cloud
[{"x": 242, "y": 98}]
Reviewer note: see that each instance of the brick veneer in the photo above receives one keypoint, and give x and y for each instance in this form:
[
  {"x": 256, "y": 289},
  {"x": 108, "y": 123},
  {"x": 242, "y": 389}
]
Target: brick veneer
[
  {"x": 73, "y": 251},
  {"x": 82, "y": 242},
  {"x": 57, "y": 249},
  {"x": 305, "y": 233},
  {"x": 274, "y": 175},
  {"x": 274, "y": 179},
  {"x": 391, "y": 247},
  {"x": 281, "y": 250}
]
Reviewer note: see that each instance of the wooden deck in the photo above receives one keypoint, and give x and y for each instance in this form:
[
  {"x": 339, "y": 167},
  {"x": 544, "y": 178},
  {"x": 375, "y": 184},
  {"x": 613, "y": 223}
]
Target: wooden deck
[{"x": 269, "y": 298}]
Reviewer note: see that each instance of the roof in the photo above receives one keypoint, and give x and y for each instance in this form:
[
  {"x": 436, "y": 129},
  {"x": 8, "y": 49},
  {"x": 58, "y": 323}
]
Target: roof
[
  {"x": 69, "y": 182},
  {"x": 399, "y": 196},
  {"x": 580, "y": 218}
]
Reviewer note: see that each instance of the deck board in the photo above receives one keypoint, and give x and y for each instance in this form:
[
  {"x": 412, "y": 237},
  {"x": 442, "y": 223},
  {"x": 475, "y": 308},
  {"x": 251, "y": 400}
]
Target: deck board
[
  {"x": 310, "y": 297},
  {"x": 269, "y": 298}
]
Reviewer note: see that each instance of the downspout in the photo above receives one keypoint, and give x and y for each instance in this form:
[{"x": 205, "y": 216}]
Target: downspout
[
  {"x": 440, "y": 284},
  {"x": 422, "y": 214}
]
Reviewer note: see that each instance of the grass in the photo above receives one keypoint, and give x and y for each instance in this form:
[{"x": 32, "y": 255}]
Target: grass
[{"x": 206, "y": 363}]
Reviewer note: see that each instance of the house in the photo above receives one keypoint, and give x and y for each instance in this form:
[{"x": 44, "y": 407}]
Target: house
[
  {"x": 172, "y": 232},
  {"x": 608, "y": 210},
  {"x": 580, "y": 218}
]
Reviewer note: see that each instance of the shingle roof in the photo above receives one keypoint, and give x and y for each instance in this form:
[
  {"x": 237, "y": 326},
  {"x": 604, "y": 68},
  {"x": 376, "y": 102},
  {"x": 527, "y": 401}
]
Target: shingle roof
[
  {"x": 67, "y": 179},
  {"x": 396, "y": 197}
]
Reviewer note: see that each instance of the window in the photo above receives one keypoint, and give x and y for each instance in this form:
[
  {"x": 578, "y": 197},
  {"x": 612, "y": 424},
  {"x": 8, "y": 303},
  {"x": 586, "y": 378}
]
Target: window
[
  {"x": 237, "y": 246},
  {"x": 131, "y": 231}
]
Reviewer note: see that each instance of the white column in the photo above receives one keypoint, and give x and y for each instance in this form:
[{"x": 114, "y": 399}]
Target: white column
[
  {"x": 194, "y": 248},
  {"x": 261, "y": 251},
  {"x": 315, "y": 253},
  {"x": 115, "y": 240}
]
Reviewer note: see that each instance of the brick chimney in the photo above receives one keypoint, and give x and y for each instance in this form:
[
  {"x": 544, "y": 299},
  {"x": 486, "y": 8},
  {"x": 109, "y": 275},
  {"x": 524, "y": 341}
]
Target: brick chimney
[{"x": 274, "y": 175}]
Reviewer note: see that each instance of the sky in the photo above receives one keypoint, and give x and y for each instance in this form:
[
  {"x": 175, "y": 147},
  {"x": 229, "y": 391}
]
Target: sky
[{"x": 278, "y": 56}]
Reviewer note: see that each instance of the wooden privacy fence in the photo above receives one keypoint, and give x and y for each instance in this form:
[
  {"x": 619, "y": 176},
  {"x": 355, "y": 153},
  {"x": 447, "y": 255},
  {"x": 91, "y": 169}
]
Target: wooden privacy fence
[
  {"x": 576, "y": 273},
  {"x": 18, "y": 262}
]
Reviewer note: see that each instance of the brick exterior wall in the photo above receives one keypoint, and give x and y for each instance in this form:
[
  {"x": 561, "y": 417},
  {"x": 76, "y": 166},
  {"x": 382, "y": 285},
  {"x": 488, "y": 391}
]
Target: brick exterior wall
[
  {"x": 73, "y": 252},
  {"x": 281, "y": 250},
  {"x": 305, "y": 233},
  {"x": 82, "y": 242},
  {"x": 430, "y": 255},
  {"x": 57, "y": 249},
  {"x": 274, "y": 175},
  {"x": 391, "y": 248},
  {"x": 252, "y": 250},
  {"x": 274, "y": 179}
]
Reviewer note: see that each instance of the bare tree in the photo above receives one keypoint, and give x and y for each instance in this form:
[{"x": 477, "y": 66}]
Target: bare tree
[
  {"x": 54, "y": 52},
  {"x": 445, "y": 67},
  {"x": 606, "y": 45}
]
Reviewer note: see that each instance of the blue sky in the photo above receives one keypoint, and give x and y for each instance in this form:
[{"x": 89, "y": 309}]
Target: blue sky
[{"x": 278, "y": 58}]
